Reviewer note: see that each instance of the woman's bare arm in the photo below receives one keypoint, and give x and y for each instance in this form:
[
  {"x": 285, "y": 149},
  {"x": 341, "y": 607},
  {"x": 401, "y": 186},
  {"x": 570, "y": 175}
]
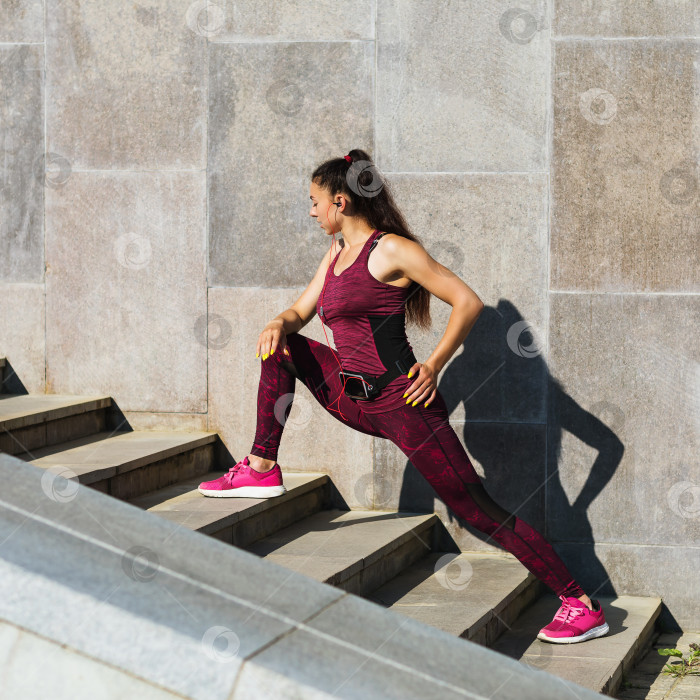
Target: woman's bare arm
[
  {"x": 304, "y": 308},
  {"x": 414, "y": 262}
]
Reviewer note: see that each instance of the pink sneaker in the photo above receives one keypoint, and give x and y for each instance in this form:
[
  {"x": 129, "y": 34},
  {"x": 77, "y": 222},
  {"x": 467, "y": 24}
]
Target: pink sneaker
[
  {"x": 574, "y": 622},
  {"x": 245, "y": 482}
]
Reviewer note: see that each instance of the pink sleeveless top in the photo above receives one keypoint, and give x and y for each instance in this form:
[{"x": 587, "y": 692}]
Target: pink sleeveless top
[{"x": 368, "y": 321}]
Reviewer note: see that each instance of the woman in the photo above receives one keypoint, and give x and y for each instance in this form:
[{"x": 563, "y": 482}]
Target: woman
[{"x": 374, "y": 383}]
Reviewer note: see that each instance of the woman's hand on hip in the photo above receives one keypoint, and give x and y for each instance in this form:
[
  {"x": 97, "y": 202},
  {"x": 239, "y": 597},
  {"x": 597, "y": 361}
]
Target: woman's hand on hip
[
  {"x": 424, "y": 387},
  {"x": 272, "y": 337}
]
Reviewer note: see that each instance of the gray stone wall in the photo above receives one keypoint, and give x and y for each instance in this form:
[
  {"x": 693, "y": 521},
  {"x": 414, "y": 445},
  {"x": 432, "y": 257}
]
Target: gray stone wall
[{"x": 547, "y": 152}]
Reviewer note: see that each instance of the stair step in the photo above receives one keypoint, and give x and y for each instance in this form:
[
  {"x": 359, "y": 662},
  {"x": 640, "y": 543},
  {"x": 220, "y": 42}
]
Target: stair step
[
  {"x": 357, "y": 550},
  {"x": 473, "y": 595},
  {"x": 238, "y": 521},
  {"x": 597, "y": 664},
  {"x": 30, "y": 421},
  {"x": 127, "y": 464}
]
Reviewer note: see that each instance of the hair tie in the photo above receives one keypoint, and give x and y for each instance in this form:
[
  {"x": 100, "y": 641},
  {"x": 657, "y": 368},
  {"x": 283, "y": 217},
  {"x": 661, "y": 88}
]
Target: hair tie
[{"x": 348, "y": 158}]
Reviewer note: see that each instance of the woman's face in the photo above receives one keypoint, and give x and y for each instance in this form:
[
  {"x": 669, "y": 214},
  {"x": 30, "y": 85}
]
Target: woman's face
[{"x": 320, "y": 201}]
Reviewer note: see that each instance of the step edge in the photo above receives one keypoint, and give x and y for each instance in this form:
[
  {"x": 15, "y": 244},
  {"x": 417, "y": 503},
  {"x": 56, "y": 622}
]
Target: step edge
[
  {"x": 417, "y": 529},
  {"x": 100, "y": 472},
  {"x": 263, "y": 505},
  {"x": 361, "y": 563},
  {"x": 630, "y": 658},
  {"x": 36, "y": 417},
  {"x": 526, "y": 580}
]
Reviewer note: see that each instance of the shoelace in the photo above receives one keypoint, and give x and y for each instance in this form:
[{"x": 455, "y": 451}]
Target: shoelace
[
  {"x": 233, "y": 471},
  {"x": 567, "y": 612}
]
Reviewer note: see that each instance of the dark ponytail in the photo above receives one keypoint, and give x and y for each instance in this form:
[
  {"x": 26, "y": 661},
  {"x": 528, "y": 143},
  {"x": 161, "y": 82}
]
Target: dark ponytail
[{"x": 371, "y": 199}]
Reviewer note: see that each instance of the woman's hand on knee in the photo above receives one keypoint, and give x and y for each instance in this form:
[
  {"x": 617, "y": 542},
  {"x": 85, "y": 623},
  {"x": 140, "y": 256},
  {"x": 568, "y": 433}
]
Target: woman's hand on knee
[
  {"x": 424, "y": 387},
  {"x": 272, "y": 337}
]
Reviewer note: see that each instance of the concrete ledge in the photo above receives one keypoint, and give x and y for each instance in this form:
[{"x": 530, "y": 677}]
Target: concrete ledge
[
  {"x": 107, "y": 454},
  {"x": 368, "y": 547},
  {"x": 599, "y": 663},
  {"x": 188, "y": 614},
  {"x": 24, "y": 410},
  {"x": 32, "y": 421},
  {"x": 488, "y": 595},
  {"x": 181, "y": 503}
]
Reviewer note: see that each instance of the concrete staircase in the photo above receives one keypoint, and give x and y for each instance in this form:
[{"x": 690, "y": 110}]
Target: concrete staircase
[{"x": 391, "y": 558}]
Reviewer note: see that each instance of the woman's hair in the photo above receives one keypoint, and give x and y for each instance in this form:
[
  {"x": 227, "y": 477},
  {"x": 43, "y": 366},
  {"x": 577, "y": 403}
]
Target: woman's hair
[{"x": 371, "y": 199}]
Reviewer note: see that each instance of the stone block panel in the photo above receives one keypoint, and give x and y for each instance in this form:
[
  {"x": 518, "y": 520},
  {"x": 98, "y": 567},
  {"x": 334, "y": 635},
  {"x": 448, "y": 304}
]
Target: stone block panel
[
  {"x": 491, "y": 231},
  {"x": 284, "y": 20},
  {"x": 126, "y": 85},
  {"x": 624, "y": 419},
  {"x": 126, "y": 289},
  {"x": 276, "y": 111},
  {"x": 60, "y": 667},
  {"x": 625, "y": 175},
  {"x": 618, "y": 18},
  {"x": 22, "y": 342},
  {"x": 628, "y": 569},
  {"x": 22, "y": 142},
  {"x": 22, "y": 21},
  {"x": 462, "y": 86}
]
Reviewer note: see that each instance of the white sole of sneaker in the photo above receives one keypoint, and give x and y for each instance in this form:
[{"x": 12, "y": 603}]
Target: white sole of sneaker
[
  {"x": 593, "y": 632},
  {"x": 246, "y": 492}
]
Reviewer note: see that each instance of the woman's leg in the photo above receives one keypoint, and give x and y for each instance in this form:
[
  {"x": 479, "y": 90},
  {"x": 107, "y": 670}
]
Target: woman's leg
[
  {"x": 426, "y": 437},
  {"x": 314, "y": 364}
]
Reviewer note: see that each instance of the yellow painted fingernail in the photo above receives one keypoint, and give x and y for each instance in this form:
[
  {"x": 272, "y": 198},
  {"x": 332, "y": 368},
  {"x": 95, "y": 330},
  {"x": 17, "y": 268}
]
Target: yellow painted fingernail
[
  {"x": 426, "y": 404},
  {"x": 415, "y": 402},
  {"x": 409, "y": 374},
  {"x": 265, "y": 357},
  {"x": 409, "y": 401},
  {"x": 273, "y": 352},
  {"x": 257, "y": 354},
  {"x": 404, "y": 396}
]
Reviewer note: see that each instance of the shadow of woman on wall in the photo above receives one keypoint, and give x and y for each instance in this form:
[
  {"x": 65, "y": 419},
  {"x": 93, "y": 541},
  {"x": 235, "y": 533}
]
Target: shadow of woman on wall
[{"x": 515, "y": 413}]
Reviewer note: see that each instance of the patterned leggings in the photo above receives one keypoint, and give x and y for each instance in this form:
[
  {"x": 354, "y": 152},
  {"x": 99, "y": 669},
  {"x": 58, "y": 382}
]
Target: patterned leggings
[{"x": 424, "y": 435}]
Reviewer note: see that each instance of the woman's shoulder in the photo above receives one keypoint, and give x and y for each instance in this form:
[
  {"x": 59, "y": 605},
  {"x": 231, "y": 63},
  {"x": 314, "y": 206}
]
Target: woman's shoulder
[{"x": 392, "y": 242}]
